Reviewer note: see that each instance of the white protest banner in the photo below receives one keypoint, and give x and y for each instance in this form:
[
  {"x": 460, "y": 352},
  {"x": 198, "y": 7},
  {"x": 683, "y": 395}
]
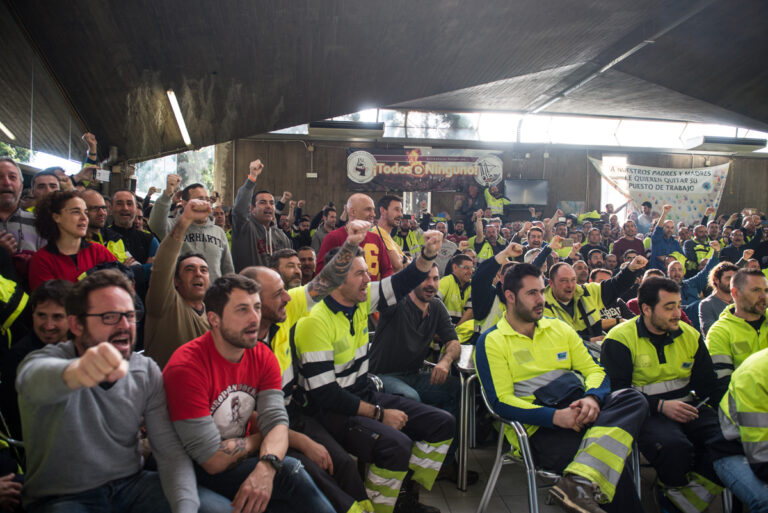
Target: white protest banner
[{"x": 689, "y": 190}]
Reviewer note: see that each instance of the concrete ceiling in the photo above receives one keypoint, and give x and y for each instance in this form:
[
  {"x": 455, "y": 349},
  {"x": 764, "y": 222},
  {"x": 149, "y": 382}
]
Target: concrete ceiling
[{"x": 247, "y": 67}]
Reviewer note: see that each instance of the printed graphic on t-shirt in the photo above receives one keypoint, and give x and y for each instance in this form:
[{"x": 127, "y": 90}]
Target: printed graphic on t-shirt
[
  {"x": 610, "y": 313},
  {"x": 232, "y": 410}
]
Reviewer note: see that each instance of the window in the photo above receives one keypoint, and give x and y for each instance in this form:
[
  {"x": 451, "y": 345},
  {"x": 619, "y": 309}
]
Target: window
[{"x": 614, "y": 166}]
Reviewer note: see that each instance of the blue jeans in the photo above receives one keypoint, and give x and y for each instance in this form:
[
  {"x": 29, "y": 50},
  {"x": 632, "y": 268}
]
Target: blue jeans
[
  {"x": 212, "y": 502},
  {"x": 139, "y": 493},
  {"x": 416, "y": 386},
  {"x": 738, "y": 476},
  {"x": 292, "y": 490}
]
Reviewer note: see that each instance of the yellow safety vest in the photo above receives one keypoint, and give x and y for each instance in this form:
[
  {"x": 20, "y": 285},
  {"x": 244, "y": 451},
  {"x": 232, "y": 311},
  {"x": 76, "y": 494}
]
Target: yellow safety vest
[
  {"x": 744, "y": 408},
  {"x": 649, "y": 375},
  {"x": 587, "y": 303},
  {"x": 486, "y": 250},
  {"x": 455, "y": 299},
  {"x": 16, "y": 300},
  {"x": 495, "y": 204},
  {"x": 414, "y": 239},
  {"x": 731, "y": 340}
]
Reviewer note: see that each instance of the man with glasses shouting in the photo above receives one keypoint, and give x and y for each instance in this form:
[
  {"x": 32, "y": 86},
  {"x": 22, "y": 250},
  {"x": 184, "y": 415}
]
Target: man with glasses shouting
[{"x": 82, "y": 405}]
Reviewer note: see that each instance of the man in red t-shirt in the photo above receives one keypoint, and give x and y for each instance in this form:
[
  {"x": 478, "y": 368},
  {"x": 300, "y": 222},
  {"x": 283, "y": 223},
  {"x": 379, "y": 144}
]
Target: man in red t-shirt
[
  {"x": 360, "y": 207},
  {"x": 219, "y": 387},
  {"x": 628, "y": 241}
]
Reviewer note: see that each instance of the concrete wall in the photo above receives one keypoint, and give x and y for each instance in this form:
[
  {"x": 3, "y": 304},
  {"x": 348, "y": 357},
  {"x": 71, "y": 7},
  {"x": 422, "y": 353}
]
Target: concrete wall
[{"x": 570, "y": 175}]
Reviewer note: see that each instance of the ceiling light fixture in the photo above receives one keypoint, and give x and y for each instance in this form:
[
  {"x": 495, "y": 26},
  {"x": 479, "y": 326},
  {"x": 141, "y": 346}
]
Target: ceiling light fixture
[
  {"x": 724, "y": 144},
  {"x": 179, "y": 119},
  {"x": 7, "y": 132}
]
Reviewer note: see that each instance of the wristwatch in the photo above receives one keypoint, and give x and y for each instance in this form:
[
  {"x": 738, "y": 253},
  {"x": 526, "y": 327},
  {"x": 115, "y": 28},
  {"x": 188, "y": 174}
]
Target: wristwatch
[{"x": 272, "y": 460}]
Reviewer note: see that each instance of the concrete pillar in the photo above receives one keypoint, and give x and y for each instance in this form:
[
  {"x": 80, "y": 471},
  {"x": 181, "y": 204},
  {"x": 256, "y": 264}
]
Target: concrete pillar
[{"x": 223, "y": 171}]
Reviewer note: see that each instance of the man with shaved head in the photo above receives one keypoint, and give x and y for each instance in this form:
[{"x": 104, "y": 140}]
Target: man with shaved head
[
  {"x": 360, "y": 207},
  {"x": 332, "y": 469}
]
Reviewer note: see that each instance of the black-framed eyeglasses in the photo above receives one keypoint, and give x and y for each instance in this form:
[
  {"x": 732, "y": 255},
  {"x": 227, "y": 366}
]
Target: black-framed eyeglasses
[
  {"x": 97, "y": 208},
  {"x": 110, "y": 318}
]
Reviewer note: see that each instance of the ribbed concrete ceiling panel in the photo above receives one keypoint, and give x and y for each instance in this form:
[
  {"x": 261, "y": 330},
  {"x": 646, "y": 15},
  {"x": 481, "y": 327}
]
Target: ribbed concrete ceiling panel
[{"x": 245, "y": 67}]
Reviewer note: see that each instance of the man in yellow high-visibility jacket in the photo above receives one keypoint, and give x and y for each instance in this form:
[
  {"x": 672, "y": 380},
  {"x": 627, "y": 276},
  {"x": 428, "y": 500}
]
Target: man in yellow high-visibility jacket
[
  {"x": 742, "y": 452},
  {"x": 528, "y": 366},
  {"x": 667, "y": 361}
]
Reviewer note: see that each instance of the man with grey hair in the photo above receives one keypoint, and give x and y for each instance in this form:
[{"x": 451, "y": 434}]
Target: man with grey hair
[{"x": 17, "y": 232}]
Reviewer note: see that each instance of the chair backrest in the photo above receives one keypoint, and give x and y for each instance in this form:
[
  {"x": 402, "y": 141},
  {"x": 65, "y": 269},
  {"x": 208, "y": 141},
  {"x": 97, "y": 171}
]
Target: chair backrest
[{"x": 493, "y": 414}]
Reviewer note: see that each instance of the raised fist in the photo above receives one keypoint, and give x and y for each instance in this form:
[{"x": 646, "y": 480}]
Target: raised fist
[
  {"x": 255, "y": 168},
  {"x": 301, "y": 203},
  {"x": 356, "y": 231},
  {"x": 172, "y": 182},
  {"x": 90, "y": 140},
  {"x": 433, "y": 239},
  {"x": 197, "y": 210},
  {"x": 102, "y": 362},
  {"x": 667, "y": 208},
  {"x": 638, "y": 262},
  {"x": 716, "y": 246},
  {"x": 514, "y": 250}
]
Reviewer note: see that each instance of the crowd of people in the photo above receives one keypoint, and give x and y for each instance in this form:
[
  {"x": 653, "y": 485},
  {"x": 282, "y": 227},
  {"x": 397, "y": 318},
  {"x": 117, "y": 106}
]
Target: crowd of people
[{"x": 180, "y": 354}]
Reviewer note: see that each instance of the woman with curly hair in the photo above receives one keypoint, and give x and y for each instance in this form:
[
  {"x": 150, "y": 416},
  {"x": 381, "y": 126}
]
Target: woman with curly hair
[{"x": 63, "y": 221}]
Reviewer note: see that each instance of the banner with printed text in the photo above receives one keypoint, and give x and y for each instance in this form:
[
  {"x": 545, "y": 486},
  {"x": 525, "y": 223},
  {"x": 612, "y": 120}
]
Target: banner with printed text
[
  {"x": 421, "y": 169},
  {"x": 689, "y": 190}
]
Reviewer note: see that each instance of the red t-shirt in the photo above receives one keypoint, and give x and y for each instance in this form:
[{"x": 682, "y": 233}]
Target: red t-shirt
[
  {"x": 376, "y": 256},
  {"x": 49, "y": 264},
  {"x": 200, "y": 382},
  {"x": 624, "y": 244}
]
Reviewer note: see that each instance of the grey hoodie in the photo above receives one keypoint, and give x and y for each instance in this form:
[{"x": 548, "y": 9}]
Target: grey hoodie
[
  {"x": 252, "y": 243},
  {"x": 207, "y": 239}
]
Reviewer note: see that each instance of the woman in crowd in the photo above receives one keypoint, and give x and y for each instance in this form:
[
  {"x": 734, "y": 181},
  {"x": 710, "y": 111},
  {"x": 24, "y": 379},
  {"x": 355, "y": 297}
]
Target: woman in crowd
[{"x": 62, "y": 220}]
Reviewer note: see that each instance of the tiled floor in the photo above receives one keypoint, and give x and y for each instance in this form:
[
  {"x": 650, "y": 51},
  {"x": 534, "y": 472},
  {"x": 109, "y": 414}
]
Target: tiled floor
[{"x": 511, "y": 493}]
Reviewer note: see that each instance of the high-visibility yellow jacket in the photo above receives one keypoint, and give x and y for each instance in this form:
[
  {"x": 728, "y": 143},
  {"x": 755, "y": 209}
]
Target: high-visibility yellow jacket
[
  {"x": 455, "y": 297},
  {"x": 671, "y": 370},
  {"x": 495, "y": 204},
  {"x": 13, "y": 300},
  {"x": 731, "y": 340},
  {"x": 744, "y": 408},
  {"x": 588, "y": 302},
  {"x": 512, "y": 368}
]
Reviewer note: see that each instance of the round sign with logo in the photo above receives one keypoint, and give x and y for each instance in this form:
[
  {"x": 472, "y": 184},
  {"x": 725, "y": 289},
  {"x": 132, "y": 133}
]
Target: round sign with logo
[
  {"x": 489, "y": 170},
  {"x": 360, "y": 166}
]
